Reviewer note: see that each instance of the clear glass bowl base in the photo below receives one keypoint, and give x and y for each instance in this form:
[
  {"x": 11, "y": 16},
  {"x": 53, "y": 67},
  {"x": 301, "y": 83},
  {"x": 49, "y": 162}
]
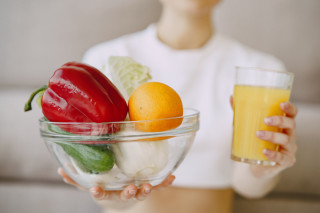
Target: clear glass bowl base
[
  {"x": 253, "y": 161},
  {"x": 113, "y": 155}
]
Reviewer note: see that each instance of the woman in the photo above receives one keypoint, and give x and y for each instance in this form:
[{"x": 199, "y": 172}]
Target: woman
[{"x": 184, "y": 51}]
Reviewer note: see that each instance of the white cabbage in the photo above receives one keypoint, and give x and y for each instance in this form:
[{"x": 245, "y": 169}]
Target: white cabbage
[
  {"x": 141, "y": 159},
  {"x": 127, "y": 74},
  {"x": 135, "y": 159}
]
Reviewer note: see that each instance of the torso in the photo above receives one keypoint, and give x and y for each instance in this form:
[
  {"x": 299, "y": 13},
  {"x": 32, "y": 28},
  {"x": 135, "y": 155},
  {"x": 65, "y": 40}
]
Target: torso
[
  {"x": 186, "y": 200},
  {"x": 204, "y": 80}
]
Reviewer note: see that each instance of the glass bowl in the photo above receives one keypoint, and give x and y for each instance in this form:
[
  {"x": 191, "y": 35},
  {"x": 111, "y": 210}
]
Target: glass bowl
[{"x": 113, "y": 155}]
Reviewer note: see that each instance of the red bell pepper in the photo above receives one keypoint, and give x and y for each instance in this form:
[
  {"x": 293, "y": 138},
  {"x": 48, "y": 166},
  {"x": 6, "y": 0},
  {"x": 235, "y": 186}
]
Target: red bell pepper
[{"x": 80, "y": 93}]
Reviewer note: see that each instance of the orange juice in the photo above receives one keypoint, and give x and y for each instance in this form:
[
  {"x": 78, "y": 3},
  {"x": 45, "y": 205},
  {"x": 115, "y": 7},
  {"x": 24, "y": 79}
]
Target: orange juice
[{"x": 251, "y": 105}]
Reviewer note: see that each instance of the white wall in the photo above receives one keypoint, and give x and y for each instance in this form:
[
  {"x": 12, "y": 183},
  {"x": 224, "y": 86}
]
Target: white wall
[
  {"x": 39, "y": 35},
  {"x": 288, "y": 29}
]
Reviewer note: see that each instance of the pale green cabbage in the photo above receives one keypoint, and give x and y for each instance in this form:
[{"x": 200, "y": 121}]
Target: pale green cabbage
[
  {"x": 127, "y": 74},
  {"x": 135, "y": 159}
]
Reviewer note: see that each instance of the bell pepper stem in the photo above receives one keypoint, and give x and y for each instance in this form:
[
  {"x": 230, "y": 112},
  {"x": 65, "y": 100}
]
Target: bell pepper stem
[{"x": 28, "y": 106}]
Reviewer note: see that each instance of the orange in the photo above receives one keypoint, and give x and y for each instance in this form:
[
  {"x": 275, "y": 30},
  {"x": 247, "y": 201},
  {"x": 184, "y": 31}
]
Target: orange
[{"x": 154, "y": 100}]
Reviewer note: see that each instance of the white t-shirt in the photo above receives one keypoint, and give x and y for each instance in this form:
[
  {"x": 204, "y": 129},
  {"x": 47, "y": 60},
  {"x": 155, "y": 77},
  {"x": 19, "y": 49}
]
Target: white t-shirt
[{"x": 204, "y": 79}]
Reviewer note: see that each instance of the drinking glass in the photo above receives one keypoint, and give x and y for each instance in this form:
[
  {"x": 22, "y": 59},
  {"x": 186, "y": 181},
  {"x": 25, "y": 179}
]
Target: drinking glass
[{"x": 257, "y": 94}]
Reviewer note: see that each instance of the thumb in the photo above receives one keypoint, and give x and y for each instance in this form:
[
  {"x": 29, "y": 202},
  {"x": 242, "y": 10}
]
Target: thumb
[{"x": 231, "y": 102}]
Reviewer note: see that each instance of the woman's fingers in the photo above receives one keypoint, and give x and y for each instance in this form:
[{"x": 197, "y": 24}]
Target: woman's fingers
[
  {"x": 127, "y": 194},
  {"x": 286, "y": 141},
  {"x": 231, "y": 102},
  {"x": 284, "y": 122},
  {"x": 274, "y": 137},
  {"x": 62, "y": 173},
  {"x": 99, "y": 194},
  {"x": 282, "y": 158},
  {"x": 130, "y": 192},
  {"x": 290, "y": 109},
  {"x": 143, "y": 192},
  {"x": 167, "y": 182},
  {"x": 68, "y": 180},
  {"x": 281, "y": 122}
]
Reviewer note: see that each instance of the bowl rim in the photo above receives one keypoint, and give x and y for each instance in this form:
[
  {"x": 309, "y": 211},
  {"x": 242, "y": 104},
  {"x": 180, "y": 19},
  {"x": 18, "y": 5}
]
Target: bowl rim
[
  {"x": 195, "y": 112},
  {"x": 131, "y": 136}
]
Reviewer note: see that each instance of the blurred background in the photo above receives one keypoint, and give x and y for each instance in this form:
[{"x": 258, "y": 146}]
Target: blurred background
[{"x": 37, "y": 36}]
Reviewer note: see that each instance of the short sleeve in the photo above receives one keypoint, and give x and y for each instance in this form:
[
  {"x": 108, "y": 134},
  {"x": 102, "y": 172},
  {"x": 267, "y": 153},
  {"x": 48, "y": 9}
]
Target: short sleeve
[
  {"x": 93, "y": 57},
  {"x": 272, "y": 62}
]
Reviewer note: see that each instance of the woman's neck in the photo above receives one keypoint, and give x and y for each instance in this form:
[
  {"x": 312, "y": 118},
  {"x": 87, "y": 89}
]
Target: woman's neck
[{"x": 184, "y": 31}]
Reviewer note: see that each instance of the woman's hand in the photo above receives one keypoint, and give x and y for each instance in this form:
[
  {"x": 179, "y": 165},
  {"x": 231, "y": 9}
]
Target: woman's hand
[
  {"x": 130, "y": 192},
  {"x": 285, "y": 156}
]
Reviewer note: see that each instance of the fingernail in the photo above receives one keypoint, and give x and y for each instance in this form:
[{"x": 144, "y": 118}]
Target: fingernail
[
  {"x": 268, "y": 120},
  {"x": 260, "y": 133},
  {"x": 59, "y": 171},
  {"x": 266, "y": 151},
  {"x": 94, "y": 192},
  {"x": 132, "y": 191},
  {"x": 147, "y": 190},
  {"x": 284, "y": 105},
  {"x": 171, "y": 181}
]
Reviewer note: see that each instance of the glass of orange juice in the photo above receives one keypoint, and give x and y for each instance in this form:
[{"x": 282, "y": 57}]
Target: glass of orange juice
[{"x": 257, "y": 94}]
